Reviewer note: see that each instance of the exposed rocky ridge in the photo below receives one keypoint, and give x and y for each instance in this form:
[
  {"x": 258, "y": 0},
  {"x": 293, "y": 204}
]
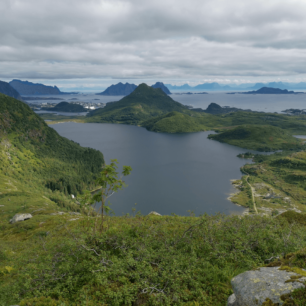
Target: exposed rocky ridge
[
  {"x": 8, "y": 90},
  {"x": 162, "y": 87},
  {"x": 119, "y": 89},
  {"x": 28, "y": 88}
]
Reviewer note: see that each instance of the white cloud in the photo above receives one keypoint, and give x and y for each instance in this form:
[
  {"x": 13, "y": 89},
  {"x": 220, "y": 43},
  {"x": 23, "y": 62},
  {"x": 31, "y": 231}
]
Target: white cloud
[{"x": 220, "y": 39}]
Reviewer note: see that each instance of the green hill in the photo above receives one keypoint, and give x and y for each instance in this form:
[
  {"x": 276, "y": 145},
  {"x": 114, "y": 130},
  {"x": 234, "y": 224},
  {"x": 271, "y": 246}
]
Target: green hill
[
  {"x": 174, "y": 122},
  {"x": 66, "y": 107},
  {"x": 142, "y": 104},
  {"x": 258, "y": 137}
]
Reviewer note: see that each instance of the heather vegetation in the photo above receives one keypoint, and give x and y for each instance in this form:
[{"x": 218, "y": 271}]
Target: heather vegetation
[{"x": 140, "y": 260}]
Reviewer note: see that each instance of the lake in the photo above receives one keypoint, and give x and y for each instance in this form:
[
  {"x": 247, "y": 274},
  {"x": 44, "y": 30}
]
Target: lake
[{"x": 172, "y": 173}]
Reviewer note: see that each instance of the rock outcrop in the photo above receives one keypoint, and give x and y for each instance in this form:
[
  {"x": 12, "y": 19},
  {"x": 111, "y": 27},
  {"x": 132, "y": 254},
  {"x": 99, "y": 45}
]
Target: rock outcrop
[
  {"x": 162, "y": 87},
  {"x": 118, "y": 90},
  {"x": 154, "y": 213},
  {"x": 252, "y": 288},
  {"x": 20, "y": 217}
]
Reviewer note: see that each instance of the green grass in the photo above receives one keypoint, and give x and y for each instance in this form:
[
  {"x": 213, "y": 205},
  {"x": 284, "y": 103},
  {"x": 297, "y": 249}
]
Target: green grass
[
  {"x": 55, "y": 118},
  {"x": 173, "y": 122}
]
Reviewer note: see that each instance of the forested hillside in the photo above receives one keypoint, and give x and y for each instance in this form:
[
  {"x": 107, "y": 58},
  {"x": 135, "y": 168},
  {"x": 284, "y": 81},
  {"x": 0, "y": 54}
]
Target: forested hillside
[{"x": 32, "y": 149}]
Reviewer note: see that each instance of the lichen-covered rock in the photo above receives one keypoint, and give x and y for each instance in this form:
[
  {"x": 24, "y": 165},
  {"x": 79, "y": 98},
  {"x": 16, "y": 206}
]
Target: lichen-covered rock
[
  {"x": 20, "y": 217},
  {"x": 154, "y": 213},
  {"x": 252, "y": 288}
]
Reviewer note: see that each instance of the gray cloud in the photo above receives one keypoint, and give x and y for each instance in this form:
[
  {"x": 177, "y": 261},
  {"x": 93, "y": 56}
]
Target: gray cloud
[{"x": 42, "y": 39}]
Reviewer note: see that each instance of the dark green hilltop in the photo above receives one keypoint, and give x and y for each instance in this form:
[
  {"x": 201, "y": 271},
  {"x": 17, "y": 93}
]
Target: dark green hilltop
[
  {"x": 66, "y": 107},
  {"x": 143, "y": 103}
]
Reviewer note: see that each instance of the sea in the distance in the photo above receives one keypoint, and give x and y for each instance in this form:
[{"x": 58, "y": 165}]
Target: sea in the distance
[
  {"x": 172, "y": 173},
  {"x": 263, "y": 103}
]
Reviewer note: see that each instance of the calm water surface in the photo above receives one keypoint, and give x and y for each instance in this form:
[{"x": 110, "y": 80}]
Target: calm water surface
[
  {"x": 264, "y": 103},
  {"x": 171, "y": 173}
]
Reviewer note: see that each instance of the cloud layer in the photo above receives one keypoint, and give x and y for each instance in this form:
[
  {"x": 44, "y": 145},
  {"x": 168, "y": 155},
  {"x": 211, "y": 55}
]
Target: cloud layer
[{"x": 63, "y": 39}]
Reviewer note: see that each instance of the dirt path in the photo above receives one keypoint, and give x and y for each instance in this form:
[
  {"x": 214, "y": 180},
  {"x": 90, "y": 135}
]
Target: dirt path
[{"x": 252, "y": 191}]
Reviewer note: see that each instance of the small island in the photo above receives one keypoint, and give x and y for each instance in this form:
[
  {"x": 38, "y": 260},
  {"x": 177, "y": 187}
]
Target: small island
[
  {"x": 66, "y": 107},
  {"x": 270, "y": 90}
]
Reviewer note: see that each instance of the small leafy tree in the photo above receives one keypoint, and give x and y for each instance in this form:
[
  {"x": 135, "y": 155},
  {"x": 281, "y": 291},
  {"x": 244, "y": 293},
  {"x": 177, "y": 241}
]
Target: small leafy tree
[{"x": 109, "y": 182}]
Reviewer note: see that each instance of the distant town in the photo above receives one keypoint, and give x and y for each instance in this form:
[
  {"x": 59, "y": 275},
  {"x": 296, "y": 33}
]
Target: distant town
[{"x": 87, "y": 105}]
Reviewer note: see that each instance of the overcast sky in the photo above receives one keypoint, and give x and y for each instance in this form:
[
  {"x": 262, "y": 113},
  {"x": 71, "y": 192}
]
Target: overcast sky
[{"x": 94, "y": 42}]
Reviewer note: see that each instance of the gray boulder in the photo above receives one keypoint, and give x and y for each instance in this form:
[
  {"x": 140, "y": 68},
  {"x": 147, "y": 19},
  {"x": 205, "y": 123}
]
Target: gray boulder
[
  {"x": 154, "y": 213},
  {"x": 253, "y": 287},
  {"x": 20, "y": 217}
]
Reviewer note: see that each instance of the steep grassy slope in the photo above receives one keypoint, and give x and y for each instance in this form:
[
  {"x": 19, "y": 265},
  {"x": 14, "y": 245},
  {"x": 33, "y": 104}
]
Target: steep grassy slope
[
  {"x": 260, "y": 138},
  {"x": 30, "y": 149},
  {"x": 143, "y": 103}
]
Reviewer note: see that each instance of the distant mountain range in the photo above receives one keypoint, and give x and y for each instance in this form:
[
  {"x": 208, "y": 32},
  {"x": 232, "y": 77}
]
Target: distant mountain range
[
  {"x": 245, "y": 86},
  {"x": 121, "y": 89},
  {"x": 8, "y": 90},
  {"x": 28, "y": 88}
]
